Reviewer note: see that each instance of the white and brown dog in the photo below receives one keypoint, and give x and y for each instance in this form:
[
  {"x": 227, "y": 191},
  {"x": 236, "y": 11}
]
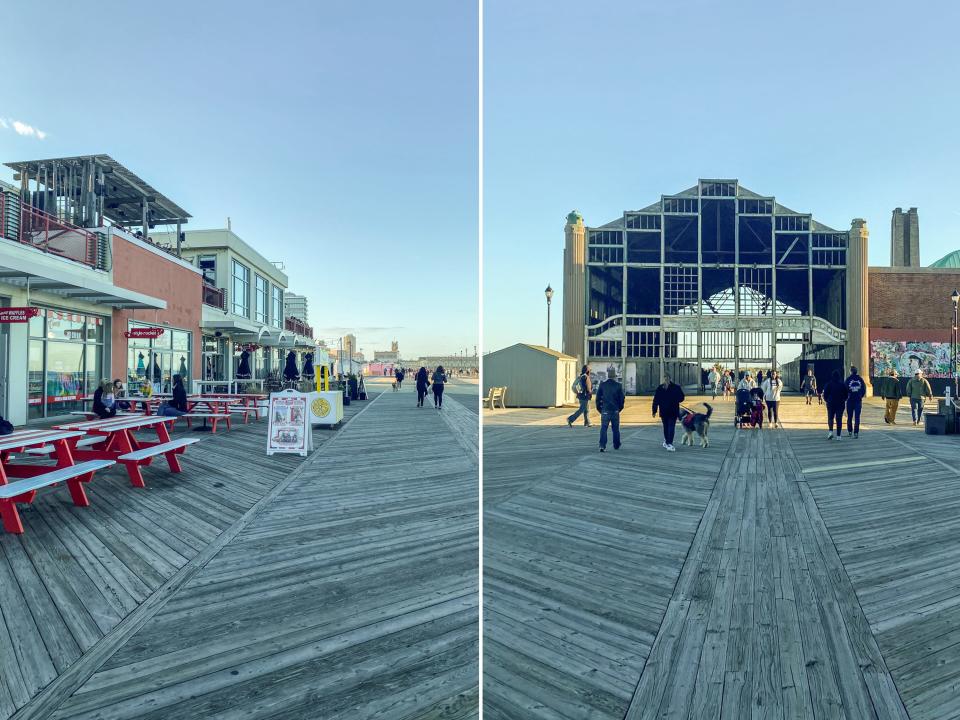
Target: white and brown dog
[{"x": 696, "y": 422}]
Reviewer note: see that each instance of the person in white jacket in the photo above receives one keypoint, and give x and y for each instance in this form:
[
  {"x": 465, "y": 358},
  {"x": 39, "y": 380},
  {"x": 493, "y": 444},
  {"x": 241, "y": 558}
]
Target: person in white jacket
[
  {"x": 746, "y": 382},
  {"x": 772, "y": 387}
]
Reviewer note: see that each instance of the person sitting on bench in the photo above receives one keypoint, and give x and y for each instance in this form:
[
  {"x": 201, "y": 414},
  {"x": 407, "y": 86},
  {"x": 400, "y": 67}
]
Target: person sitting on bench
[
  {"x": 103, "y": 403},
  {"x": 178, "y": 405}
]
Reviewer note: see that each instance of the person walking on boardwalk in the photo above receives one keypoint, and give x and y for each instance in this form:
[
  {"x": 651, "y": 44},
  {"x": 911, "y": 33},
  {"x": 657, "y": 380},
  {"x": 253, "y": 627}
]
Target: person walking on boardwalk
[
  {"x": 746, "y": 382},
  {"x": 439, "y": 378},
  {"x": 399, "y": 376},
  {"x": 666, "y": 401},
  {"x": 918, "y": 388},
  {"x": 728, "y": 384},
  {"x": 610, "y": 401},
  {"x": 856, "y": 389},
  {"x": 809, "y": 385},
  {"x": 889, "y": 390},
  {"x": 583, "y": 387},
  {"x": 772, "y": 387},
  {"x": 423, "y": 382},
  {"x": 835, "y": 395},
  {"x": 714, "y": 379}
]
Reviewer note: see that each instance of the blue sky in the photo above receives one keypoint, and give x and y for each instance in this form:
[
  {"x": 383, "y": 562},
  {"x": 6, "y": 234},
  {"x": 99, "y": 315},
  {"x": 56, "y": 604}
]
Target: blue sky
[
  {"x": 842, "y": 109},
  {"x": 341, "y": 138}
]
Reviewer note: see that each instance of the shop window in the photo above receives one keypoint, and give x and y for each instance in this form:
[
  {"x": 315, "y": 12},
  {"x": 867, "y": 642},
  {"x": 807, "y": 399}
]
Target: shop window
[
  {"x": 64, "y": 362},
  {"x": 276, "y": 309},
  {"x": 260, "y": 299}
]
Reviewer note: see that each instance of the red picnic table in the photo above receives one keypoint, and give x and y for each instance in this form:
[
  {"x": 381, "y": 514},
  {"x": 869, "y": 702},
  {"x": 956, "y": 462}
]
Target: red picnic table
[
  {"x": 19, "y": 482},
  {"x": 114, "y": 439},
  {"x": 244, "y": 403}
]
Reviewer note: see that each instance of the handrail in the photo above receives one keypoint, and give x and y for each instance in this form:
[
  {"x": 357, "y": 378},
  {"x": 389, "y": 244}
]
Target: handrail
[
  {"x": 214, "y": 296},
  {"x": 46, "y": 233},
  {"x": 296, "y": 325}
]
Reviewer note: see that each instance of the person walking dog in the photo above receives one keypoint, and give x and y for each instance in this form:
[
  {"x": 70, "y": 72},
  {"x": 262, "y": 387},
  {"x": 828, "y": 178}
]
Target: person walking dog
[
  {"x": 583, "y": 387},
  {"x": 809, "y": 386},
  {"x": 610, "y": 401},
  {"x": 666, "y": 401}
]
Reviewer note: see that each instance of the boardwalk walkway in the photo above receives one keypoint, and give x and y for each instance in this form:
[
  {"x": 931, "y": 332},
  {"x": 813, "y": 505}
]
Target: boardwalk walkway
[
  {"x": 773, "y": 575},
  {"x": 349, "y": 592}
]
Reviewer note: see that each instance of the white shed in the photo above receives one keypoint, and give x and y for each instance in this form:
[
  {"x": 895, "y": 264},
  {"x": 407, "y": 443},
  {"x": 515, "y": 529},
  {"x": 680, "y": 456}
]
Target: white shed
[{"x": 535, "y": 376}]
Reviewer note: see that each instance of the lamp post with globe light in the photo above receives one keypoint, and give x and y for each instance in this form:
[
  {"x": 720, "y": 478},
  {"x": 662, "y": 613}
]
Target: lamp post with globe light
[{"x": 549, "y": 294}]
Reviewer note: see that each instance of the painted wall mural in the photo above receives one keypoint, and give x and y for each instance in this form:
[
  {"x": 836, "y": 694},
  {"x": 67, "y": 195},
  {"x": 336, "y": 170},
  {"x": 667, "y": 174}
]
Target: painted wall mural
[{"x": 933, "y": 358}]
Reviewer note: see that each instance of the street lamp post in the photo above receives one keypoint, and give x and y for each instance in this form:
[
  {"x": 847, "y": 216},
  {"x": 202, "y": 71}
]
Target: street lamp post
[
  {"x": 953, "y": 341},
  {"x": 549, "y": 293}
]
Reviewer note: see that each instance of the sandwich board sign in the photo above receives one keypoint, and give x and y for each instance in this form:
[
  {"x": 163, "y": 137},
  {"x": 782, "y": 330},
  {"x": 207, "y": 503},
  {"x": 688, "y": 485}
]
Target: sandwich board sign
[{"x": 289, "y": 429}]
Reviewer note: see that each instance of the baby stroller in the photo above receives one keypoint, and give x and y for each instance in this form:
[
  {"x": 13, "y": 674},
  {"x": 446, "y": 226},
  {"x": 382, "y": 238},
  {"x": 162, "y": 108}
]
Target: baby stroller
[
  {"x": 749, "y": 410},
  {"x": 744, "y": 410}
]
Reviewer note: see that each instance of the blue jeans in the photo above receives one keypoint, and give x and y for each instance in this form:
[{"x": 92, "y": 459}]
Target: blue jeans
[
  {"x": 611, "y": 418},
  {"x": 853, "y": 415},
  {"x": 170, "y": 411},
  {"x": 584, "y": 410},
  {"x": 916, "y": 409}
]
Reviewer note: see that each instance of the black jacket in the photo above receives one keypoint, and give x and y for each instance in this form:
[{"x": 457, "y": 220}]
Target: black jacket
[
  {"x": 422, "y": 380},
  {"x": 834, "y": 393},
  {"x": 667, "y": 400},
  {"x": 179, "y": 398},
  {"x": 610, "y": 395}
]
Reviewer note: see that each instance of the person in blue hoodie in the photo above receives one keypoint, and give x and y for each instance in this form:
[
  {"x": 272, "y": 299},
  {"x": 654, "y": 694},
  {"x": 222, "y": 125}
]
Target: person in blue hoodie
[{"x": 856, "y": 389}]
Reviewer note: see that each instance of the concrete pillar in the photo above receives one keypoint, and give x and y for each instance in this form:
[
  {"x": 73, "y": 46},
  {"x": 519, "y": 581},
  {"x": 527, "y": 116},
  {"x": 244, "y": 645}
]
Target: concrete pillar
[
  {"x": 574, "y": 286},
  {"x": 858, "y": 309}
]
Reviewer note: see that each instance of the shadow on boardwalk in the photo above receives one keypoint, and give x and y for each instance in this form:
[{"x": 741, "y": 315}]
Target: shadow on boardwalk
[
  {"x": 773, "y": 575},
  {"x": 351, "y": 584}
]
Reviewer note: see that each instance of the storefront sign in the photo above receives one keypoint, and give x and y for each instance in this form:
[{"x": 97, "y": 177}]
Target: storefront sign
[
  {"x": 289, "y": 428},
  {"x": 18, "y": 314},
  {"x": 144, "y": 332}
]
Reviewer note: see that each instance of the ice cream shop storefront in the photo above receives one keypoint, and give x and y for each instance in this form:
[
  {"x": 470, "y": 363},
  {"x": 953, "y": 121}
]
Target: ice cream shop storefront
[{"x": 65, "y": 360}]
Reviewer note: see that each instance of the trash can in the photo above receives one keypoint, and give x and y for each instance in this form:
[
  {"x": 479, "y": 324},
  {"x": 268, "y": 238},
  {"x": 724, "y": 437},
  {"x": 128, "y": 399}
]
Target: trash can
[{"x": 935, "y": 424}]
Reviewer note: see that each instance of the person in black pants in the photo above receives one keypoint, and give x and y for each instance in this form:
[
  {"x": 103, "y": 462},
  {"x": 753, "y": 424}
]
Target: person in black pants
[
  {"x": 610, "y": 401},
  {"x": 422, "y": 383},
  {"x": 439, "y": 378},
  {"x": 667, "y": 401},
  {"x": 835, "y": 395},
  {"x": 856, "y": 389}
]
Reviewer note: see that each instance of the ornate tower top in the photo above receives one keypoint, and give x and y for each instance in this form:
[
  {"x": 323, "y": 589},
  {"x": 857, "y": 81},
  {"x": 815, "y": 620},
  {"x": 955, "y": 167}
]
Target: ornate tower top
[{"x": 574, "y": 217}]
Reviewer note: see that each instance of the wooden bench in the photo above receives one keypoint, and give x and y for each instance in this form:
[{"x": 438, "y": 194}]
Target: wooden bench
[
  {"x": 214, "y": 417},
  {"x": 23, "y": 491},
  {"x": 246, "y": 410},
  {"x": 496, "y": 394},
  {"x": 170, "y": 450}
]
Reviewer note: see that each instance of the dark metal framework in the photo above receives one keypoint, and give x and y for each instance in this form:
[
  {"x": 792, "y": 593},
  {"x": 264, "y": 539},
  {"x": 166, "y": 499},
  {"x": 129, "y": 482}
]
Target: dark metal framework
[{"x": 714, "y": 273}]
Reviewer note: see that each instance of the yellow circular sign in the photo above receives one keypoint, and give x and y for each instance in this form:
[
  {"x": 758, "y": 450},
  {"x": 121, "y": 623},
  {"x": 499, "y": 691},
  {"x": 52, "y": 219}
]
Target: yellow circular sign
[{"x": 320, "y": 407}]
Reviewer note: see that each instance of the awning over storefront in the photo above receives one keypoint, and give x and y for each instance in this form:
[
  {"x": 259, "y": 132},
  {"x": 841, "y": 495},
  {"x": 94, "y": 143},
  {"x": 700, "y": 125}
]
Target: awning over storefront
[
  {"x": 231, "y": 325},
  {"x": 20, "y": 266}
]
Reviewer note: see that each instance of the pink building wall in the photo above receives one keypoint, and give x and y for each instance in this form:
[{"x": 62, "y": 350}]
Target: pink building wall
[{"x": 136, "y": 268}]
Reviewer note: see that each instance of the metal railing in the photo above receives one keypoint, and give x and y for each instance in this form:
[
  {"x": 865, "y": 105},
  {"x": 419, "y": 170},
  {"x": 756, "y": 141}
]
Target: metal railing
[
  {"x": 215, "y": 297},
  {"x": 295, "y": 325},
  {"x": 29, "y": 226}
]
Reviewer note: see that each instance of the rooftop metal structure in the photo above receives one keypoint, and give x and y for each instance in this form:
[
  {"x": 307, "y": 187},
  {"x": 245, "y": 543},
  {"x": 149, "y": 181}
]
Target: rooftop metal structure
[{"x": 85, "y": 189}]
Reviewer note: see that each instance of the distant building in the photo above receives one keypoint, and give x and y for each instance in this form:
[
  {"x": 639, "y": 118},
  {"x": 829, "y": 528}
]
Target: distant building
[
  {"x": 905, "y": 238},
  {"x": 349, "y": 345},
  {"x": 296, "y": 306},
  {"x": 534, "y": 376}
]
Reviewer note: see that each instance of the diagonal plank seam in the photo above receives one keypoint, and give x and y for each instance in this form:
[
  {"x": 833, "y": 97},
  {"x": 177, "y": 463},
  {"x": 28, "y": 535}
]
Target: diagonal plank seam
[{"x": 52, "y": 696}]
